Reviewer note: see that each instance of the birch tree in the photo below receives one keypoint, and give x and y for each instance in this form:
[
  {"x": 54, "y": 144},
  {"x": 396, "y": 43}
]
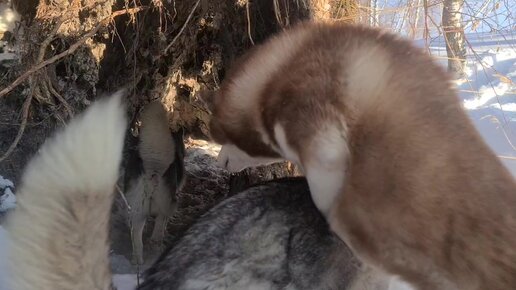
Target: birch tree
[{"x": 454, "y": 36}]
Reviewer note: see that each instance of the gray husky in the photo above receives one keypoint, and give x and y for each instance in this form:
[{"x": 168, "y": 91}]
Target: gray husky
[{"x": 270, "y": 236}]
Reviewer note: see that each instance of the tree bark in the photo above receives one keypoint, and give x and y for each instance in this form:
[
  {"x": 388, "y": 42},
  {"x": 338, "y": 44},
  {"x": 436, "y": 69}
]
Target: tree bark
[
  {"x": 375, "y": 20},
  {"x": 454, "y": 36}
]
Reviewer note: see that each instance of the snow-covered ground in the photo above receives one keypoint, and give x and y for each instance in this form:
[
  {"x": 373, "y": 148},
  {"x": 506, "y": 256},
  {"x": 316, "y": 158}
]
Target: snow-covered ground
[
  {"x": 489, "y": 93},
  {"x": 3, "y": 257},
  {"x": 7, "y": 197},
  {"x": 124, "y": 281},
  {"x": 489, "y": 90},
  {"x": 8, "y": 19}
]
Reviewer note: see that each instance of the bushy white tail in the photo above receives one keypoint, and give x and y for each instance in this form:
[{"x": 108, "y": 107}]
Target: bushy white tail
[{"x": 59, "y": 232}]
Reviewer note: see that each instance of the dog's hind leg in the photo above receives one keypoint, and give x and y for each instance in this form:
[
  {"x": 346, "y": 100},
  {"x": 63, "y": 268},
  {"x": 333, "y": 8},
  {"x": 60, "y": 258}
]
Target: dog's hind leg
[
  {"x": 137, "y": 225},
  {"x": 158, "y": 233}
]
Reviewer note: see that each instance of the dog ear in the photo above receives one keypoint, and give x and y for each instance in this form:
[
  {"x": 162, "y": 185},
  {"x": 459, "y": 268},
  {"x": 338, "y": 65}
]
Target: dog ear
[{"x": 207, "y": 98}]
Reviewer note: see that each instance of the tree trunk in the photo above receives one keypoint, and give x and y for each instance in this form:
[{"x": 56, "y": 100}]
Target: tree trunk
[
  {"x": 375, "y": 20},
  {"x": 413, "y": 27},
  {"x": 454, "y": 36}
]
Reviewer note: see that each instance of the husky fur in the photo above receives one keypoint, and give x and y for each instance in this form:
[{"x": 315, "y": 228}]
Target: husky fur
[
  {"x": 59, "y": 231},
  {"x": 392, "y": 160},
  {"x": 155, "y": 174},
  {"x": 270, "y": 236}
]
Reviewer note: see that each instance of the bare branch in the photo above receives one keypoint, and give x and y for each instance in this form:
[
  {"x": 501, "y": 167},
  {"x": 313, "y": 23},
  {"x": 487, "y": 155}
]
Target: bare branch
[
  {"x": 70, "y": 50},
  {"x": 247, "y": 4},
  {"x": 25, "y": 116},
  {"x": 183, "y": 27}
]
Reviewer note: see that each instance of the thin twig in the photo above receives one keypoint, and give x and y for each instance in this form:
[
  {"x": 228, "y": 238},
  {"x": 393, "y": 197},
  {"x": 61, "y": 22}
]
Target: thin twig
[
  {"x": 51, "y": 36},
  {"x": 249, "y": 21},
  {"x": 277, "y": 13},
  {"x": 123, "y": 197},
  {"x": 41, "y": 56},
  {"x": 426, "y": 31},
  {"x": 25, "y": 115},
  {"x": 507, "y": 157},
  {"x": 61, "y": 99},
  {"x": 70, "y": 50},
  {"x": 184, "y": 26}
]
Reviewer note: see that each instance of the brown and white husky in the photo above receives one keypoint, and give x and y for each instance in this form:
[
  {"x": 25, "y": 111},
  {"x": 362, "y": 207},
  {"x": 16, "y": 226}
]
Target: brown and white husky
[{"x": 391, "y": 158}]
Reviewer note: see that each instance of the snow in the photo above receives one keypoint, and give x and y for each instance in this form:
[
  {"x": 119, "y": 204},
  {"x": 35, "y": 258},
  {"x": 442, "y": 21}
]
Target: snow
[
  {"x": 7, "y": 56},
  {"x": 7, "y": 200},
  {"x": 3, "y": 258},
  {"x": 486, "y": 94},
  {"x": 488, "y": 91},
  {"x": 8, "y": 20},
  {"x": 8, "y": 17},
  {"x": 125, "y": 281},
  {"x": 4, "y": 182},
  {"x": 7, "y": 197}
]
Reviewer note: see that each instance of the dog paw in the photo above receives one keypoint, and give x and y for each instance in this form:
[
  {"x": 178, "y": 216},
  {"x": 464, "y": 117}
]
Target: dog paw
[
  {"x": 137, "y": 260},
  {"x": 157, "y": 246}
]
